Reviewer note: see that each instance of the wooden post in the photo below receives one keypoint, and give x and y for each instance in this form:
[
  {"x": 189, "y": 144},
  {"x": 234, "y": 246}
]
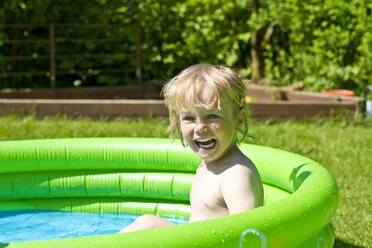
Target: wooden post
[
  {"x": 258, "y": 63},
  {"x": 138, "y": 54},
  {"x": 52, "y": 57}
]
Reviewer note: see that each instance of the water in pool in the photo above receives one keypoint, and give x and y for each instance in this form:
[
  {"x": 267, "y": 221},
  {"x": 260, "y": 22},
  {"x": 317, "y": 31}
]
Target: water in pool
[{"x": 37, "y": 225}]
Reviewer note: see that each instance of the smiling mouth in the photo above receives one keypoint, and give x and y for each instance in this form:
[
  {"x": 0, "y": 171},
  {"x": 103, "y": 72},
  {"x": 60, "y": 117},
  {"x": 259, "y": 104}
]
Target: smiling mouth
[{"x": 206, "y": 144}]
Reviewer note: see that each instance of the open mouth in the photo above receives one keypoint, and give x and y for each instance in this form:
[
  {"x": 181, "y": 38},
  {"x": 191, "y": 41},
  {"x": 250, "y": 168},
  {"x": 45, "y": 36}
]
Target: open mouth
[{"x": 205, "y": 144}]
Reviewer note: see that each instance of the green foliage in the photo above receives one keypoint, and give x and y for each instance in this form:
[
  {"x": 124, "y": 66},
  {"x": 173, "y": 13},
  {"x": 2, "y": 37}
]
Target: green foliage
[
  {"x": 329, "y": 43},
  {"x": 41, "y": 12},
  {"x": 325, "y": 43}
]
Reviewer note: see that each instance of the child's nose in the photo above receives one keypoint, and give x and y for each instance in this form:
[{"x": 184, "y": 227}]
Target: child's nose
[{"x": 201, "y": 127}]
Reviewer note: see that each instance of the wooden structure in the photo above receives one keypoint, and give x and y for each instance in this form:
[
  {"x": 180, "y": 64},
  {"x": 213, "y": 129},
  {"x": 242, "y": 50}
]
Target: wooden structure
[
  {"x": 145, "y": 100},
  {"x": 59, "y": 33}
]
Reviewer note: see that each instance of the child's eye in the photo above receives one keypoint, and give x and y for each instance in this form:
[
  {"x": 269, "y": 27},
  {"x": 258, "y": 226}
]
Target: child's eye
[
  {"x": 188, "y": 118},
  {"x": 212, "y": 116}
]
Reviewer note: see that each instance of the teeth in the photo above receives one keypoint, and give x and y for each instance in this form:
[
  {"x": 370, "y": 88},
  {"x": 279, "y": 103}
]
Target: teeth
[
  {"x": 206, "y": 146},
  {"x": 205, "y": 143}
]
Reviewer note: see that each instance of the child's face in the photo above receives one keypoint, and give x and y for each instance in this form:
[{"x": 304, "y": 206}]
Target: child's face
[{"x": 210, "y": 133}]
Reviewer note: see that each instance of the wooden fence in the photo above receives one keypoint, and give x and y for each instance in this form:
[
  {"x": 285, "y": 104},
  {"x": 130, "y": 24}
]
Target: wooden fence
[{"x": 53, "y": 41}]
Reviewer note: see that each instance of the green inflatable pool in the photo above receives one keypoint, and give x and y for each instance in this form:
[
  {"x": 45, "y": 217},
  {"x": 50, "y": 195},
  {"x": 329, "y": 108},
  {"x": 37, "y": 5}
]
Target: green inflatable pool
[{"x": 139, "y": 175}]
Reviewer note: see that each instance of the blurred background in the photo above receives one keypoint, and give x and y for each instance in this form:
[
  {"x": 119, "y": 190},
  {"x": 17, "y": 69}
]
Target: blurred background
[{"x": 325, "y": 44}]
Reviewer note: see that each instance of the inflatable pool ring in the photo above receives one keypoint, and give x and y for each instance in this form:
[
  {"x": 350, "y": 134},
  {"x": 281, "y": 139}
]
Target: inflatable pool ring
[{"x": 138, "y": 175}]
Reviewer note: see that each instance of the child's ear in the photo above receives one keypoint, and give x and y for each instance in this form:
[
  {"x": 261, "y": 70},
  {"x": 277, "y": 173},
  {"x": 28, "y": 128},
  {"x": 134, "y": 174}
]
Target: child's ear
[{"x": 241, "y": 119}]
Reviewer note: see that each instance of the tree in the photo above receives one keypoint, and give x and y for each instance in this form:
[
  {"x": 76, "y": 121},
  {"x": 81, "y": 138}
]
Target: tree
[{"x": 325, "y": 43}]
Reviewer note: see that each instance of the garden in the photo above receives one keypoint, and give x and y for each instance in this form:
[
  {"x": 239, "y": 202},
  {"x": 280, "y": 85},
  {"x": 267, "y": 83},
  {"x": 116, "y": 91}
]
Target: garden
[{"x": 52, "y": 46}]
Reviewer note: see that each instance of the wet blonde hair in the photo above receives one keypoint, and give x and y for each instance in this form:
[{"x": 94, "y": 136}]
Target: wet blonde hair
[{"x": 204, "y": 86}]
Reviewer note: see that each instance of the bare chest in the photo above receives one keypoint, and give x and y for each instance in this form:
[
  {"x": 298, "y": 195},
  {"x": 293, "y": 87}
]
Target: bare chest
[{"x": 206, "y": 195}]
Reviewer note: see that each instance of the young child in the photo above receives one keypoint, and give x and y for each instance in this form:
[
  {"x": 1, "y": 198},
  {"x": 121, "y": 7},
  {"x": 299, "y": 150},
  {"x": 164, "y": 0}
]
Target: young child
[{"x": 207, "y": 108}]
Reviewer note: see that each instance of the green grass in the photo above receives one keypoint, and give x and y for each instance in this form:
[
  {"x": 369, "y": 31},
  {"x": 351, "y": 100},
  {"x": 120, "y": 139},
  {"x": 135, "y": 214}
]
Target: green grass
[{"x": 343, "y": 145}]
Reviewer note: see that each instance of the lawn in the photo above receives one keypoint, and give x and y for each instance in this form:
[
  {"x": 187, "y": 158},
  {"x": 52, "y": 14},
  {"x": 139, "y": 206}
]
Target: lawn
[{"x": 342, "y": 144}]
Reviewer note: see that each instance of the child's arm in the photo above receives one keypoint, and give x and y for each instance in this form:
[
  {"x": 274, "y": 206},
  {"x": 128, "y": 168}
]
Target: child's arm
[{"x": 241, "y": 188}]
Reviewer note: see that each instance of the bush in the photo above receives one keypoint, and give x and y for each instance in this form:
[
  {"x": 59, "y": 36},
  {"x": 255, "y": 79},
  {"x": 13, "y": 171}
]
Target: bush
[{"x": 324, "y": 43}]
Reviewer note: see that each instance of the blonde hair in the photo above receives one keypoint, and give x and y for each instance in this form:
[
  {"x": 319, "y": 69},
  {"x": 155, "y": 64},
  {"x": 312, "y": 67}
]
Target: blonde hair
[{"x": 204, "y": 85}]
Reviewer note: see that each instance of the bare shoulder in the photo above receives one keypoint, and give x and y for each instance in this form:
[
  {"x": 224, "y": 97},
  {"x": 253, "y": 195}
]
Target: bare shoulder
[
  {"x": 241, "y": 186},
  {"x": 240, "y": 164},
  {"x": 243, "y": 169},
  {"x": 240, "y": 170}
]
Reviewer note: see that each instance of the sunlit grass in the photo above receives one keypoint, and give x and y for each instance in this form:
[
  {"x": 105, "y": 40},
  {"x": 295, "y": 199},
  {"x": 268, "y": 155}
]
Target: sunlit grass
[
  {"x": 15, "y": 126},
  {"x": 343, "y": 145}
]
